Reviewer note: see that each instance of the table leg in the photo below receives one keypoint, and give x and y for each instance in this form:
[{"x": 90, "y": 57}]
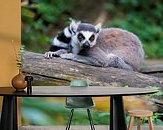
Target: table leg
[
  {"x": 117, "y": 116},
  {"x": 9, "y": 113}
]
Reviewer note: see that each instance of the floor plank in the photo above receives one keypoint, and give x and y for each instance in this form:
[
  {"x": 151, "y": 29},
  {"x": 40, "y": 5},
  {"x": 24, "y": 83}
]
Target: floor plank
[{"x": 77, "y": 127}]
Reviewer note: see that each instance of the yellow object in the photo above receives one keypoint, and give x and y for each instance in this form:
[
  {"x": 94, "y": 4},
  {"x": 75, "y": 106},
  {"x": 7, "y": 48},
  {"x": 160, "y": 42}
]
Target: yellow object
[{"x": 130, "y": 102}]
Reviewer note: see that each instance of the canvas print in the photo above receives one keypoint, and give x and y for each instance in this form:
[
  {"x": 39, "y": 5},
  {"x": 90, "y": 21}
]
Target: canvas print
[{"x": 103, "y": 42}]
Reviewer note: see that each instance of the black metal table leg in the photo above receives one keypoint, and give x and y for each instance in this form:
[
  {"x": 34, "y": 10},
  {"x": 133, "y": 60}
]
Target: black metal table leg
[
  {"x": 117, "y": 115},
  {"x": 9, "y": 113}
]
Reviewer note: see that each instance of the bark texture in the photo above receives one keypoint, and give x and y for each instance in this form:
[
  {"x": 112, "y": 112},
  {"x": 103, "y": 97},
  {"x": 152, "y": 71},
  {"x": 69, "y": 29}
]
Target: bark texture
[{"x": 59, "y": 71}]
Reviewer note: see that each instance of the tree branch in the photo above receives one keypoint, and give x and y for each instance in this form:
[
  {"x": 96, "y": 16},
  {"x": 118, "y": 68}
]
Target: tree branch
[{"x": 59, "y": 71}]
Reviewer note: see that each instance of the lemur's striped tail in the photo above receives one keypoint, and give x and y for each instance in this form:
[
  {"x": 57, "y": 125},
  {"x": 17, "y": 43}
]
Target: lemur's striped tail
[{"x": 62, "y": 40}]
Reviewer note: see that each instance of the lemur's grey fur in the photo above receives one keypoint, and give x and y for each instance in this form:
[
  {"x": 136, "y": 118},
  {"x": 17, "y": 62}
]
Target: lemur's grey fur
[{"x": 111, "y": 47}]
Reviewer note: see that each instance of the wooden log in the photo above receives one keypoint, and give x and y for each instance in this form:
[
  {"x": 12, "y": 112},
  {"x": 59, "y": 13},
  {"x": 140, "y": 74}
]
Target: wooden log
[
  {"x": 155, "y": 70},
  {"x": 152, "y": 68},
  {"x": 59, "y": 71}
]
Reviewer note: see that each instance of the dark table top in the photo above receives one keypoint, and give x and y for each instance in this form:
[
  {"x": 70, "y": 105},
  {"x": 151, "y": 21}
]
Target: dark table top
[{"x": 65, "y": 91}]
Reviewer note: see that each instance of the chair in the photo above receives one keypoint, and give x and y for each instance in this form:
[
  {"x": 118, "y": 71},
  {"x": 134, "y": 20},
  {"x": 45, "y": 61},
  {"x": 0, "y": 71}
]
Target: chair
[
  {"x": 138, "y": 114},
  {"x": 79, "y": 102}
]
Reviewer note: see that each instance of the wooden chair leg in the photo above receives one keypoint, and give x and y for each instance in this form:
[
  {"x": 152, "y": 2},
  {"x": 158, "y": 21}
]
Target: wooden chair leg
[
  {"x": 131, "y": 123},
  {"x": 138, "y": 123},
  {"x": 150, "y": 123}
]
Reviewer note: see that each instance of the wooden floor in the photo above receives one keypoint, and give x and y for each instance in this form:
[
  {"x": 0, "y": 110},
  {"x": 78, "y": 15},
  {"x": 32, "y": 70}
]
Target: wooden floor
[{"x": 76, "y": 127}]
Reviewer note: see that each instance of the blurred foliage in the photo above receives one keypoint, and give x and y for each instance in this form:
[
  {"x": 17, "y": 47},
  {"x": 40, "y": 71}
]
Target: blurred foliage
[
  {"x": 41, "y": 111},
  {"x": 41, "y": 20},
  {"x": 144, "y": 18},
  {"x": 158, "y": 99},
  {"x": 39, "y": 17},
  {"x": 155, "y": 96}
]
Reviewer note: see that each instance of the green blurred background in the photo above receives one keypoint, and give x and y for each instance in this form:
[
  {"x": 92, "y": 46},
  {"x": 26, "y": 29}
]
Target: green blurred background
[{"x": 43, "y": 19}]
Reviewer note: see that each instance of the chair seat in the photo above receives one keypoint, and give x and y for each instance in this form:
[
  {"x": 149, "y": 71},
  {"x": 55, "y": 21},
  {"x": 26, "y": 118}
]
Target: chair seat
[
  {"x": 79, "y": 102},
  {"x": 140, "y": 113}
]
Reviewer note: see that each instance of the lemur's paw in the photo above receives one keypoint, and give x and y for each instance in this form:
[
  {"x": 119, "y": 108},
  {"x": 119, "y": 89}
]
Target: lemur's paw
[
  {"x": 49, "y": 54},
  {"x": 68, "y": 56}
]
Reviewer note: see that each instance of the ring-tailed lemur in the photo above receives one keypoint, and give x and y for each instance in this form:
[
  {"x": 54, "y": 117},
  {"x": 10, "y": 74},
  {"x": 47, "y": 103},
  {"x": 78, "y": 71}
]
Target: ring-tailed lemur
[
  {"x": 61, "y": 43},
  {"x": 109, "y": 47}
]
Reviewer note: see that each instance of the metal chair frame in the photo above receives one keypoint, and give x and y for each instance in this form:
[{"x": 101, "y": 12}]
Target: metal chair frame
[
  {"x": 89, "y": 117},
  {"x": 76, "y": 83}
]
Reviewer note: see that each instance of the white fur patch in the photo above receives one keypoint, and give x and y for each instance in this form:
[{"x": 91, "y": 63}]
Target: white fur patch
[
  {"x": 67, "y": 32},
  {"x": 87, "y": 34},
  {"x": 75, "y": 45},
  {"x": 74, "y": 25},
  {"x": 56, "y": 42}
]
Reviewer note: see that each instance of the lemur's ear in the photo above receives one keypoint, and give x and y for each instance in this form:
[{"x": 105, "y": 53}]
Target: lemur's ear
[
  {"x": 74, "y": 25},
  {"x": 98, "y": 27}
]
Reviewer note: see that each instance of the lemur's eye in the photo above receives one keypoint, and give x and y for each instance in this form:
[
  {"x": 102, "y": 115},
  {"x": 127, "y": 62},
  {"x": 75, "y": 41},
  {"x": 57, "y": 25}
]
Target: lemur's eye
[
  {"x": 81, "y": 37},
  {"x": 92, "y": 38}
]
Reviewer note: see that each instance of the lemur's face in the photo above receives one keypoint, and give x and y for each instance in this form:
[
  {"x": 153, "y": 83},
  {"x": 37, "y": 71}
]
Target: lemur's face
[
  {"x": 86, "y": 39},
  {"x": 86, "y": 35}
]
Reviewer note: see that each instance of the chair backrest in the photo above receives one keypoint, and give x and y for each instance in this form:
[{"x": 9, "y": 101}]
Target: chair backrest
[
  {"x": 78, "y": 83},
  {"x": 79, "y": 102}
]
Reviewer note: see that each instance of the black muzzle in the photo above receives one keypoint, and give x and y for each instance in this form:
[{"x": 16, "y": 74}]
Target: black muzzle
[{"x": 86, "y": 45}]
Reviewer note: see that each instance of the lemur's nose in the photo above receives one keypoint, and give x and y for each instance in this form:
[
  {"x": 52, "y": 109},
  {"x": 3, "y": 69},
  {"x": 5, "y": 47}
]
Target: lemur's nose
[{"x": 86, "y": 45}]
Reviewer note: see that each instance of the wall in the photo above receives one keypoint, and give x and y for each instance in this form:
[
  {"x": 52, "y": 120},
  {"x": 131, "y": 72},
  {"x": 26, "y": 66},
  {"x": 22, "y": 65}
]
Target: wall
[{"x": 10, "y": 29}]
